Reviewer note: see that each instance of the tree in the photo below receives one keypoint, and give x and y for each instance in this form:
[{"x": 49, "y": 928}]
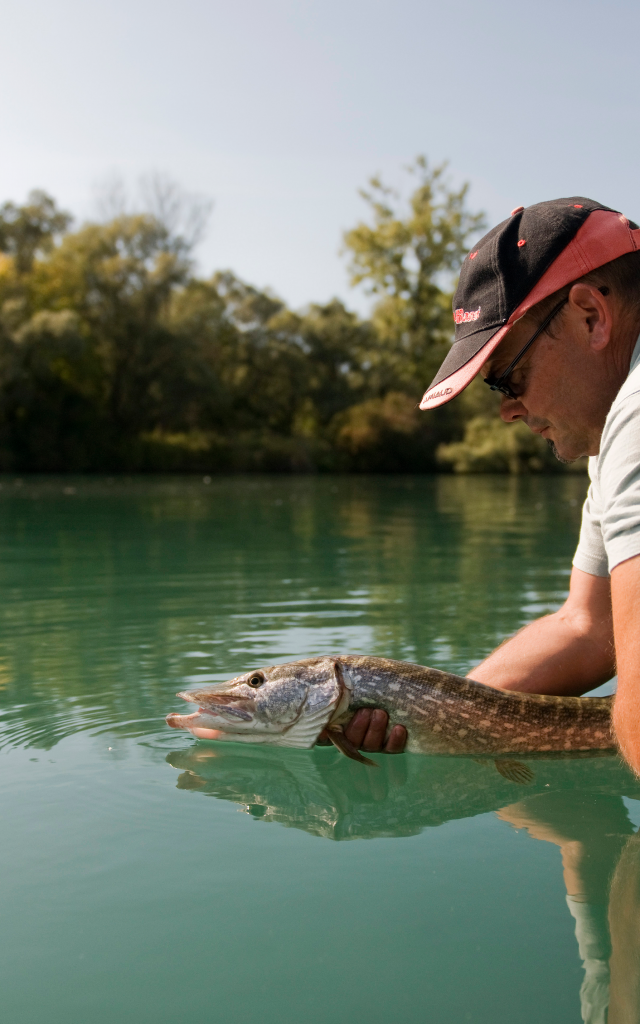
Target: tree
[
  {"x": 184, "y": 215},
  {"x": 31, "y": 230},
  {"x": 119, "y": 278},
  {"x": 51, "y": 411},
  {"x": 335, "y": 345},
  {"x": 409, "y": 258},
  {"x": 114, "y": 355}
]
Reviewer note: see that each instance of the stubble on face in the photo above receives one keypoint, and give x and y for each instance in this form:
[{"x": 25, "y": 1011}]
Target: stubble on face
[{"x": 556, "y": 454}]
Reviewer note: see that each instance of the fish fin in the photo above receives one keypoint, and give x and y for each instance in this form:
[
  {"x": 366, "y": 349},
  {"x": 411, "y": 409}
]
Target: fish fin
[
  {"x": 515, "y": 771},
  {"x": 345, "y": 745}
]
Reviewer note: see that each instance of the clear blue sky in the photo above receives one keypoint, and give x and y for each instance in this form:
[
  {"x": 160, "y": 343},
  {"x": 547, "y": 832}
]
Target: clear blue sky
[{"x": 280, "y": 111}]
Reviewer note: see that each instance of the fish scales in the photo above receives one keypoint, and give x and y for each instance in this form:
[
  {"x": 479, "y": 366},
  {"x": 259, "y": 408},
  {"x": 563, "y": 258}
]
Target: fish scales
[
  {"x": 290, "y": 705},
  {"x": 445, "y": 713}
]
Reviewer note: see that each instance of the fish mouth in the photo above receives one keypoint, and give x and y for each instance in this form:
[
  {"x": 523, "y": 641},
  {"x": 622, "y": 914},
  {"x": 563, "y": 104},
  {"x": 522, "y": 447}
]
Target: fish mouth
[
  {"x": 219, "y": 714},
  {"x": 197, "y": 723},
  {"x": 233, "y": 704}
]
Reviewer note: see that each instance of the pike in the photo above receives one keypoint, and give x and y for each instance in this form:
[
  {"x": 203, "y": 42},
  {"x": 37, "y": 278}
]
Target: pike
[{"x": 290, "y": 705}]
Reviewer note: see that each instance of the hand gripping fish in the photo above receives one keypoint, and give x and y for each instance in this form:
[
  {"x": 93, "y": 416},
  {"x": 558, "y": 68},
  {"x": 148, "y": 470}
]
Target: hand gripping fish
[{"x": 290, "y": 705}]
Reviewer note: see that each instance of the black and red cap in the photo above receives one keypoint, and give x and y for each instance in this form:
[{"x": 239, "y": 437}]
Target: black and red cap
[{"x": 528, "y": 257}]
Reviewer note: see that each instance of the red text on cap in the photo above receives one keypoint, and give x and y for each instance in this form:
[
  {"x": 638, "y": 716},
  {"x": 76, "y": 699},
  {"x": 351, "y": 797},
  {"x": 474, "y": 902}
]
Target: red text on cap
[{"x": 463, "y": 316}]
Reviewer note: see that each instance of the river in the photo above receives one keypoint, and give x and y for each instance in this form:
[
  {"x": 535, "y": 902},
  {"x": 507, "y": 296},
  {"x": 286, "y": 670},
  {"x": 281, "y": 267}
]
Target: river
[{"x": 151, "y": 878}]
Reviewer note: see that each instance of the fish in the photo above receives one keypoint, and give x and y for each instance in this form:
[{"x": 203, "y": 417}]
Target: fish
[
  {"x": 339, "y": 799},
  {"x": 290, "y": 705}
]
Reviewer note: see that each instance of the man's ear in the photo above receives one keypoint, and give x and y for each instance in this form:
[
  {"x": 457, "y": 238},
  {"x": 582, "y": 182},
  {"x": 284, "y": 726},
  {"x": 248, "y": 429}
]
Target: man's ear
[{"x": 593, "y": 311}]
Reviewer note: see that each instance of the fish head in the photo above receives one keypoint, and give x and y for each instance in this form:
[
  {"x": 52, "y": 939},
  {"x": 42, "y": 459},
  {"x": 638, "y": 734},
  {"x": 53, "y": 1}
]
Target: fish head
[{"x": 287, "y": 705}]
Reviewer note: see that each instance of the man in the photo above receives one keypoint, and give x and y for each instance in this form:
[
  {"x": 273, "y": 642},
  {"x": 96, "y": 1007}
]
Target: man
[{"x": 548, "y": 312}]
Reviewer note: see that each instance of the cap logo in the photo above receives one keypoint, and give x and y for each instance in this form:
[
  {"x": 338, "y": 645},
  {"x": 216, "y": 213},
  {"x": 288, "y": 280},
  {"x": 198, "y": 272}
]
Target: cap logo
[
  {"x": 438, "y": 394},
  {"x": 463, "y": 316}
]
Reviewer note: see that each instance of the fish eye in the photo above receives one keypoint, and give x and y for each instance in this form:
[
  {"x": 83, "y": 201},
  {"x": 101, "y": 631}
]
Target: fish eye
[{"x": 256, "y": 680}]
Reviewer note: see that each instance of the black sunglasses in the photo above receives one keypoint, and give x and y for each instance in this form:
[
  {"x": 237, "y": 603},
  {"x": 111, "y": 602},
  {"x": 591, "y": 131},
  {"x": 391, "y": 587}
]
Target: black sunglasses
[{"x": 501, "y": 383}]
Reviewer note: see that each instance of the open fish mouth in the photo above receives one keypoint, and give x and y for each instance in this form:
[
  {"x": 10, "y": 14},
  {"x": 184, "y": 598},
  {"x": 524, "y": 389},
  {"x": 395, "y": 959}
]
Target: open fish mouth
[
  {"x": 224, "y": 714},
  {"x": 177, "y": 721},
  {"x": 232, "y": 712},
  {"x": 199, "y": 724}
]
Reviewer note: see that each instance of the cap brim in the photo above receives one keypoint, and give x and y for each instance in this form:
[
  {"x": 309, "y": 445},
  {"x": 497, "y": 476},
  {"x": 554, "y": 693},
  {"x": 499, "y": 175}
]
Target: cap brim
[
  {"x": 603, "y": 237},
  {"x": 454, "y": 383}
]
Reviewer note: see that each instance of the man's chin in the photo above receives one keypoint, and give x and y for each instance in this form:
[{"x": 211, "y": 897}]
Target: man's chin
[{"x": 560, "y": 456}]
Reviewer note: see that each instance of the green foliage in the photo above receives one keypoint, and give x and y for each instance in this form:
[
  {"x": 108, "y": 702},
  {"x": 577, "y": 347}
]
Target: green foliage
[
  {"x": 114, "y": 355},
  {"x": 30, "y": 229},
  {"x": 386, "y": 435},
  {"x": 409, "y": 257},
  {"x": 491, "y": 446}
]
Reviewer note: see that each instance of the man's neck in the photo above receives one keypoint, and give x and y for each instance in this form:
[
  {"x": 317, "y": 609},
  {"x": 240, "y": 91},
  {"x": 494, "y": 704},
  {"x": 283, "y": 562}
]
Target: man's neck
[{"x": 623, "y": 344}]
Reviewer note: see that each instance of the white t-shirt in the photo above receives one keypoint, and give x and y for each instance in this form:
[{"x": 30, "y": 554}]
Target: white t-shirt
[{"x": 610, "y": 531}]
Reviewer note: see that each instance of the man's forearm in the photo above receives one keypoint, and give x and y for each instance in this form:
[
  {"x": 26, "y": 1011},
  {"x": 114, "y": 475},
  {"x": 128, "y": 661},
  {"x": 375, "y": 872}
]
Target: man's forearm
[
  {"x": 625, "y": 587},
  {"x": 546, "y": 657},
  {"x": 569, "y": 652}
]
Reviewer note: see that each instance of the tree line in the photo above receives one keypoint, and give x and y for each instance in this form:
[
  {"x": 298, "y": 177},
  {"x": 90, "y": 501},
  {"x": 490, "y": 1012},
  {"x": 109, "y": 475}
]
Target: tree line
[{"x": 116, "y": 356}]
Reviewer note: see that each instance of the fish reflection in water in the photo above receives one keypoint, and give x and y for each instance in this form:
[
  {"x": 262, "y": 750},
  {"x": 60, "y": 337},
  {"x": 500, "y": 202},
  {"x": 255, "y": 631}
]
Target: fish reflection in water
[{"x": 576, "y": 803}]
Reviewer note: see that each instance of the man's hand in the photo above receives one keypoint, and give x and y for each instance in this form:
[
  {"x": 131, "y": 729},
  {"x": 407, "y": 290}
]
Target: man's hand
[{"x": 367, "y": 729}]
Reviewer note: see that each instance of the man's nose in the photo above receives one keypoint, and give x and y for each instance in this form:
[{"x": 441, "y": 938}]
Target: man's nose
[{"x": 511, "y": 409}]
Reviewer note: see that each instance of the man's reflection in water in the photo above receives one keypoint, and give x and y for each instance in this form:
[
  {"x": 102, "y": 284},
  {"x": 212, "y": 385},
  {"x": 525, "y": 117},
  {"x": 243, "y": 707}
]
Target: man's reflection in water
[
  {"x": 591, "y": 831},
  {"x": 624, "y": 922},
  {"x": 575, "y": 804}
]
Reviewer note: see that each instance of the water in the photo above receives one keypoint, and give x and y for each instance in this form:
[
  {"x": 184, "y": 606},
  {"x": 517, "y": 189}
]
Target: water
[{"x": 150, "y": 878}]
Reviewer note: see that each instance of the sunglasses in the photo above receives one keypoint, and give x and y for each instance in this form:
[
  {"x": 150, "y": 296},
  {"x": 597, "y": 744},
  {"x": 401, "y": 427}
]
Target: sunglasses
[{"x": 501, "y": 383}]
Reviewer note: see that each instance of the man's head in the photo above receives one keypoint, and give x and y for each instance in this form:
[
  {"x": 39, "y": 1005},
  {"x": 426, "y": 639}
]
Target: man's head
[
  {"x": 577, "y": 294},
  {"x": 564, "y": 384}
]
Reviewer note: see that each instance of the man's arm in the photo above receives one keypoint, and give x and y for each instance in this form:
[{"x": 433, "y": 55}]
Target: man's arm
[
  {"x": 625, "y": 599},
  {"x": 568, "y": 652}
]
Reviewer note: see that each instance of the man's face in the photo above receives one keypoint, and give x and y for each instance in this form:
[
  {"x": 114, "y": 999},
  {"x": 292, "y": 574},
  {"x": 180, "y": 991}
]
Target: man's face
[{"x": 564, "y": 387}]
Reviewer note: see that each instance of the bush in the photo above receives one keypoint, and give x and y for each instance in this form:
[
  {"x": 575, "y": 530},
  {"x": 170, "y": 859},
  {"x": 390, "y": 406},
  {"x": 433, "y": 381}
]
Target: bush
[
  {"x": 385, "y": 435},
  {"x": 491, "y": 446}
]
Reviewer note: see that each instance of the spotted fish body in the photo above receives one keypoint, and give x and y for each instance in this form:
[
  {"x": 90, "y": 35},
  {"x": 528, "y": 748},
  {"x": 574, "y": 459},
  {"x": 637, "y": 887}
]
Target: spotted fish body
[
  {"x": 290, "y": 705},
  {"x": 447, "y": 714}
]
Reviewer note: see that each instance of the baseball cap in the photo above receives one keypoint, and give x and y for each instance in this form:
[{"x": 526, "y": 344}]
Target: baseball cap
[{"x": 526, "y": 258}]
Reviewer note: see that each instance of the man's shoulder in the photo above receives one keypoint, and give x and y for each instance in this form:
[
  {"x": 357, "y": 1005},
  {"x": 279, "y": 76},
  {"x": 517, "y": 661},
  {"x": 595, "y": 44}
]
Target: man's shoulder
[
  {"x": 619, "y": 456},
  {"x": 625, "y": 408}
]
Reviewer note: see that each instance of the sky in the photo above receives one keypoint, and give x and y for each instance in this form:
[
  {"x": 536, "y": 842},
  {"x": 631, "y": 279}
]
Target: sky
[{"x": 279, "y": 112}]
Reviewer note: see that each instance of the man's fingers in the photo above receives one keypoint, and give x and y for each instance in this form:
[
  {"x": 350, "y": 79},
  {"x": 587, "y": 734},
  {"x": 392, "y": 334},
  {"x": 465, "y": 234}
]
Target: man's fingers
[
  {"x": 356, "y": 729},
  {"x": 397, "y": 740},
  {"x": 367, "y": 730},
  {"x": 374, "y": 738}
]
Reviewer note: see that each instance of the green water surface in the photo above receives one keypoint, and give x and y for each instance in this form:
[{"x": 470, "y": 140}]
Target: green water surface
[{"x": 147, "y": 877}]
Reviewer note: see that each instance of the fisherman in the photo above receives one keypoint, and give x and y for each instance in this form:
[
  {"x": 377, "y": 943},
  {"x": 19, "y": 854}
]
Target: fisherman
[{"x": 547, "y": 311}]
